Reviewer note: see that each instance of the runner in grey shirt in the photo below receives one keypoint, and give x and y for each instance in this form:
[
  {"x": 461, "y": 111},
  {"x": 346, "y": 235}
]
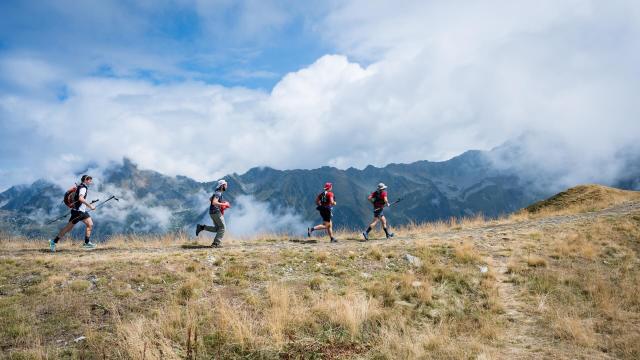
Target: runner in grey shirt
[{"x": 216, "y": 210}]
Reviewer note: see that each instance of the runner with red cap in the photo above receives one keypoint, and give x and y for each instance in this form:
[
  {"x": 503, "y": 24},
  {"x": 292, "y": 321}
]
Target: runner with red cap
[{"x": 325, "y": 201}]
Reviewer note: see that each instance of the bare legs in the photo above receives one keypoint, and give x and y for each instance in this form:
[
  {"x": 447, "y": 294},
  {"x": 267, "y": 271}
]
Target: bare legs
[
  {"x": 326, "y": 225},
  {"x": 374, "y": 223},
  {"x": 87, "y": 232}
]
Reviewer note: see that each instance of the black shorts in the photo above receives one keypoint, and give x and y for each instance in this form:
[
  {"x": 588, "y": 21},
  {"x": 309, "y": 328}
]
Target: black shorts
[
  {"x": 325, "y": 212},
  {"x": 378, "y": 212},
  {"x": 77, "y": 216}
]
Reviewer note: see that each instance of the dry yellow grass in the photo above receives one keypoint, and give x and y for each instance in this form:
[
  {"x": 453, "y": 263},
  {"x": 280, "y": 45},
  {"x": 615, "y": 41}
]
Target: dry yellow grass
[
  {"x": 589, "y": 286},
  {"x": 465, "y": 252},
  {"x": 181, "y": 303},
  {"x": 375, "y": 252},
  {"x": 583, "y": 198},
  {"x": 578, "y": 331},
  {"x": 267, "y": 297},
  {"x": 535, "y": 261}
]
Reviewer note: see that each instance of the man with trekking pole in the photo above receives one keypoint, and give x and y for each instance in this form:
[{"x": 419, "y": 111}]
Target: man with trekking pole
[
  {"x": 216, "y": 211},
  {"x": 379, "y": 200},
  {"x": 79, "y": 213},
  {"x": 325, "y": 202}
]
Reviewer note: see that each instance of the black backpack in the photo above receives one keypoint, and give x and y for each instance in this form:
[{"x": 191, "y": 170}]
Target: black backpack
[
  {"x": 375, "y": 197},
  {"x": 323, "y": 198}
]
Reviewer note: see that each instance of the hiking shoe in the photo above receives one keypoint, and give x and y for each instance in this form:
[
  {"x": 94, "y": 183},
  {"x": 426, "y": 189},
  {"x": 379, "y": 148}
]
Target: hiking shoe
[
  {"x": 389, "y": 235},
  {"x": 308, "y": 232},
  {"x": 333, "y": 240},
  {"x": 52, "y": 245},
  {"x": 89, "y": 245},
  {"x": 198, "y": 229},
  {"x": 366, "y": 236},
  {"x": 216, "y": 245}
]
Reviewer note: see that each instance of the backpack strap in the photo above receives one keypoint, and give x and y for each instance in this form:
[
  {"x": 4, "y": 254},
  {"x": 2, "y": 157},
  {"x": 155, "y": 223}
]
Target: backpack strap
[
  {"x": 323, "y": 197},
  {"x": 76, "y": 198}
]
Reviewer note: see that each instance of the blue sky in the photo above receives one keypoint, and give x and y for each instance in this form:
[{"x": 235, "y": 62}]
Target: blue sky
[
  {"x": 206, "y": 88},
  {"x": 166, "y": 41}
]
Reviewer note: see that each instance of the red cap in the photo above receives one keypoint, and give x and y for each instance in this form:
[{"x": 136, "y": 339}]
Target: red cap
[{"x": 328, "y": 186}]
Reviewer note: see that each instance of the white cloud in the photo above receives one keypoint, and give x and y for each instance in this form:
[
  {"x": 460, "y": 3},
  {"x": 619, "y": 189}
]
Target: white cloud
[
  {"x": 434, "y": 79},
  {"x": 28, "y": 72},
  {"x": 249, "y": 217},
  {"x": 475, "y": 74}
]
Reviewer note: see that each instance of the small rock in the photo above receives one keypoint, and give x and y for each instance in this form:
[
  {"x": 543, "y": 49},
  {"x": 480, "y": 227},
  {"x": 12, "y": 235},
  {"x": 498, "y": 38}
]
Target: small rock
[
  {"x": 483, "y": 269},
  {"x": 413, "y": 260},
  {"x": 81, "y": 338},
  {"x": 416, "y": 284},
  {"x": 365, "y": 275}
]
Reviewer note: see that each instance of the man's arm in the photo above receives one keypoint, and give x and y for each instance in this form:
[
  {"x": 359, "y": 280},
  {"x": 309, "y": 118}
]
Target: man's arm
[
  {"x": 84, "y": 201},
  {"x": 215, "y": 201}
]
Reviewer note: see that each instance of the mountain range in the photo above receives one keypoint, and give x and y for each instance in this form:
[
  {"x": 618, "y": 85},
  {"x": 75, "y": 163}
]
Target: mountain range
[{"x": 151, "y": 202}]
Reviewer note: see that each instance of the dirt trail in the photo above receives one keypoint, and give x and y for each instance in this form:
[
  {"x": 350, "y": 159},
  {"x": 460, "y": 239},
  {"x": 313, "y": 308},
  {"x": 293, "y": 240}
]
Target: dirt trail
[
  {"x": 477, "y": 234},
  {"x": 525, "y": 340}
]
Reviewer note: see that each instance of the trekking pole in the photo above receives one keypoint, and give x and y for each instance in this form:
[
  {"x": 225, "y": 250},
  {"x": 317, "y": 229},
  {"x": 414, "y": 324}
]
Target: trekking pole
[
  {"x": 65, "y": 215},
  {"x": 397, "y": 201},
  {"x": 392, "y": 203},
  {"x": 104, "y": 202}
]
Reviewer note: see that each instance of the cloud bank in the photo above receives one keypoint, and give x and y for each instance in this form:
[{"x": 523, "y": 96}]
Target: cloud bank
[
  {"x": 405, "y": 82},
  {"x": 250, "y": 217}
]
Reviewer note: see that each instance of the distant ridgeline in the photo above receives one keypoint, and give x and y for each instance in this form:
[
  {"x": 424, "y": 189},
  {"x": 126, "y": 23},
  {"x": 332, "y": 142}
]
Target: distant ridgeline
[{"x": 154, "y": 203}]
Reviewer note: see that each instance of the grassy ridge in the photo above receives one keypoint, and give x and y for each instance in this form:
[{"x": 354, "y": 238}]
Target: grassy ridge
[
  {"x": 583, "y": 198},
  {"x": 527, "y": 286}
]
